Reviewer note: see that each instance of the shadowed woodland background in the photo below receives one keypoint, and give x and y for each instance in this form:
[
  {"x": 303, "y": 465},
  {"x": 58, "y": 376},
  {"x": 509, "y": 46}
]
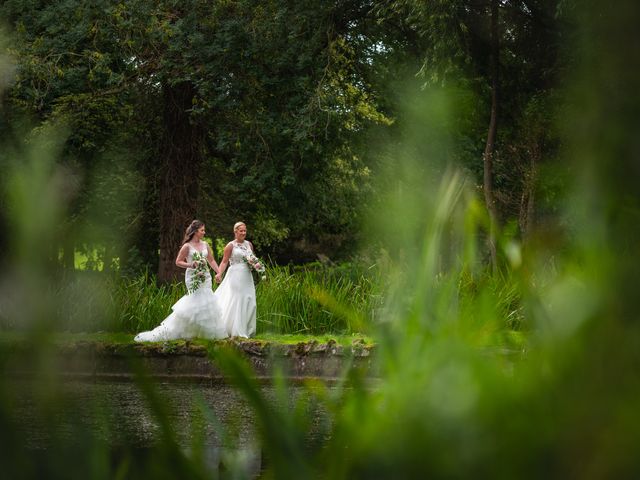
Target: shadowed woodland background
[{"x": 285, "y": 115}]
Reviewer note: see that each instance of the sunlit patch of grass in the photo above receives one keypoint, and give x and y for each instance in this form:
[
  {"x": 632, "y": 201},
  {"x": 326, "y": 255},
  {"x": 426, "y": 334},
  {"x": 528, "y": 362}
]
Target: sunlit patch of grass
[{"x": 10, "y": 337}]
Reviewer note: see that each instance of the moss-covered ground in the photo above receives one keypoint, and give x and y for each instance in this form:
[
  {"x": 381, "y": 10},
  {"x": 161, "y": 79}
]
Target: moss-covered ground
[{"x": 66, "y": 338}]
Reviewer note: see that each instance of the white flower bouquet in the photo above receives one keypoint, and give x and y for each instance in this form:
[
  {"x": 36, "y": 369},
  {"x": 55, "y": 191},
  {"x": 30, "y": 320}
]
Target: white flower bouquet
[
  {"x": 257, "y": 268},
  {"x": 200, "y": 274}
]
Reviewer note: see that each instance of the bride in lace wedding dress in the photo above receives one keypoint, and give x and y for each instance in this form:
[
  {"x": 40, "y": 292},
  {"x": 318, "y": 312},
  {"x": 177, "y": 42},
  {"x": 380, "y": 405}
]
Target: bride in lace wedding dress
[
  {"x": 236, "y": 295},
  {"x": 197, "y": 314}
]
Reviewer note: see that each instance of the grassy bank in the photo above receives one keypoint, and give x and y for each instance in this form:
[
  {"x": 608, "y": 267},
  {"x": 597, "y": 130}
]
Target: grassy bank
[
  {"x": 310, "y": 300},
  {"x": 313, "y": 300},
  {"x": 8, "y": 338}
]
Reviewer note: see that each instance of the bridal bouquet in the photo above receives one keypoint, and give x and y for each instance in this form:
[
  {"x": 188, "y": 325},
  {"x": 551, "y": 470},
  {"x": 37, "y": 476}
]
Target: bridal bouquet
[
  {"x": 258, "y": 272},
  {"x": 200, "y": 274}
]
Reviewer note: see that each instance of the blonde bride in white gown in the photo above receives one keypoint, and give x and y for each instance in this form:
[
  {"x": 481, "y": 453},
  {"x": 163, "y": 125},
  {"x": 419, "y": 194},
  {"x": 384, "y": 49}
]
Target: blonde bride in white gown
[
  {"x": 236, "y": 295},
  {"x": 197, "y": 314}
]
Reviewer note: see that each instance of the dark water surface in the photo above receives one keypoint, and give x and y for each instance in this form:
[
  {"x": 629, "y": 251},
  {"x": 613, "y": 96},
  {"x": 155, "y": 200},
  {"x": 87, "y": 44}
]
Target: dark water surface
[{"x": 213, "y": 415}]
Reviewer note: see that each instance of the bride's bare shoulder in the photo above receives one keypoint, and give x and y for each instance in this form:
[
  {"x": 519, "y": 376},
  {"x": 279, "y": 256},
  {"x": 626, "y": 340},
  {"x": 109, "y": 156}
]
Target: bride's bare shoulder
[{"x": 184, "y": 251}]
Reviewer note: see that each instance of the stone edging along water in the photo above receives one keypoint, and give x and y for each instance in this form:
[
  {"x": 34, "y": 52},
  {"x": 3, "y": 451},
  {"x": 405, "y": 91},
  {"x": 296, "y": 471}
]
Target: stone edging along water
[{"x": 192, "y": 361}]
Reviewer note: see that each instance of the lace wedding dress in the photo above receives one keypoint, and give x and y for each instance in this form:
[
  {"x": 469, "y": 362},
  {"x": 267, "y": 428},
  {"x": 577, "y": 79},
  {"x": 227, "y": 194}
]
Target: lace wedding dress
[
  {"x": 197, "y": 314},
  {"x": 236, "y": 295}
]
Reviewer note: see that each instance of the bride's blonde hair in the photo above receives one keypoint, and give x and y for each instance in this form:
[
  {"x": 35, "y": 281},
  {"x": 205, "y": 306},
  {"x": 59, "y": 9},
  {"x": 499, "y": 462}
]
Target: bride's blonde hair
[{"x": 238, "y": 225}]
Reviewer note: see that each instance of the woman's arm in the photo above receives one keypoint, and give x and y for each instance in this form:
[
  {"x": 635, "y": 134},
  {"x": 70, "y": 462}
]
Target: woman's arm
[
  {"x": 212, "y": 260},
  {"x": 181, "y": 259},
  {"x": 225, "y": 261}
]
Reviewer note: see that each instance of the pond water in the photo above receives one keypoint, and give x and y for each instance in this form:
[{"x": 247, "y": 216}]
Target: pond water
[{"x": 214, "y": 415}]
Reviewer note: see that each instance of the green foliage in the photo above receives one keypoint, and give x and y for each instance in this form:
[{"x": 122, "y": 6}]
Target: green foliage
[
  {"x": 314, "y": 300},
  {"x": 291, "y": 101},
  {"x": 274, "y": 92},
  {"x": 139, "y": 304},
  {"x": 460, "y": 395},
  {"x": 451, "y": 406},
  {"x": 304, "y": 300},
  {"x": 453, "y": 39}
]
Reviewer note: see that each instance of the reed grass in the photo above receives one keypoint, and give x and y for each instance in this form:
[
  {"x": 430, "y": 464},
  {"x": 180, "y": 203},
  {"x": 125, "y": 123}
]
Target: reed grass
[
  {"x": 302, "y": 300},
  {"x": 294, "y": 300},
  {"x": 311, "y": 300},
  {"x": 140, "y": 303},
  {"x": 447, "y": 405}
]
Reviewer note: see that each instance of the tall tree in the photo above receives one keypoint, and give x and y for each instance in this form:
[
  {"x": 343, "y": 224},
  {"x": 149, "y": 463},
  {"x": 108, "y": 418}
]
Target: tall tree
[
  {"x": 507, "y": 53},
  {"x": 179, "y": 173},
  {"x": 489, "y": 149},
  {"x": 265, "y": 96}
]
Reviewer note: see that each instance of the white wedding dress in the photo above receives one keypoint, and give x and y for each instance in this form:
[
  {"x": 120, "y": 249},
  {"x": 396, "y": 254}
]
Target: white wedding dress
[
  {"x": 195, "y": 315},
  {"x": 236, "y": 295}
]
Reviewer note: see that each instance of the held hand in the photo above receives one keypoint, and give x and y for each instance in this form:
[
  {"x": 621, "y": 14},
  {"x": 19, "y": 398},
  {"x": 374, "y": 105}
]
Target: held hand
[{"x": 218, "y": 278}]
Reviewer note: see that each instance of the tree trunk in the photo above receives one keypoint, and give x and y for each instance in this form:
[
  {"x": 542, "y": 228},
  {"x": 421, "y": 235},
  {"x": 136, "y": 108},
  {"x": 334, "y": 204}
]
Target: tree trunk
[
  {"x": 107, "y": 259},
  {"x": 68, "y": 253},
  {"x": 182, "y": 153},
  {"x": 491, "y": 135},
  {"x": 532, "y": 196},
  {"x": 527, "y": 204}
]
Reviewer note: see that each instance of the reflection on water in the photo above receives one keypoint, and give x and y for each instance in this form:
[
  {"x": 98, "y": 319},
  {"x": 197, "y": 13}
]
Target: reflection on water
[{"x": 214, "y": 417}]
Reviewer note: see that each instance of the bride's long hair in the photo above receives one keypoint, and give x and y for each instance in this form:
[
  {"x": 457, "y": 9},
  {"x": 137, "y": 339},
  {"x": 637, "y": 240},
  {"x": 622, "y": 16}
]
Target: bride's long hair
[{"x": 191, "y": 230}]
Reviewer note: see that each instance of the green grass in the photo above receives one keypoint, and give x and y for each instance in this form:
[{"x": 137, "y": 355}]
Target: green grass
[
  {"x": 289, "y": 339},
  {"x": 115, "y": 338},
  {"x": 140, "y": 304},
  {"x": 317, "y": 300},
  {"x": 311, "y": 300},
  {"x": 302, "y": 302},
  {"x": 447, "y": 405}
]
